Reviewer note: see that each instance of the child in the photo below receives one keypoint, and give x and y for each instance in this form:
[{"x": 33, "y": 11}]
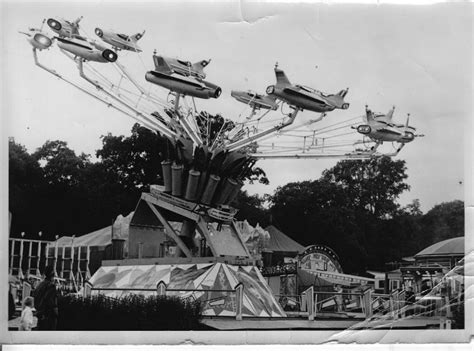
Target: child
[{"x": 26, "y": 320}]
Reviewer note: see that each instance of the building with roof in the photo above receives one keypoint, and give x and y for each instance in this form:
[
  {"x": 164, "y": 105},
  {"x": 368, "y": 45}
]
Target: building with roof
[{"x": 430, "y": 266}]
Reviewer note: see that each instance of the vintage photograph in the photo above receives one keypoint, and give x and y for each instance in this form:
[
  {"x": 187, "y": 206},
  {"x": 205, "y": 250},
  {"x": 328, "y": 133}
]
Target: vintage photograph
[{"x": 236, "y": 166}]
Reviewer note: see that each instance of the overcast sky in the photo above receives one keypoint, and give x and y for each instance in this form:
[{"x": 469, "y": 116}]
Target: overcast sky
[{"x": 418, "y": 58}]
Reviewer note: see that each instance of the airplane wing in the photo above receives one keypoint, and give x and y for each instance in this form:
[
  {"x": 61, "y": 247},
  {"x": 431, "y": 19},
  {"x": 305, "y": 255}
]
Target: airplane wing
[
  {"x": 298, "y": 93},
  {"x": 281, "y": 77},
  {"x": 161, "y": 65}
]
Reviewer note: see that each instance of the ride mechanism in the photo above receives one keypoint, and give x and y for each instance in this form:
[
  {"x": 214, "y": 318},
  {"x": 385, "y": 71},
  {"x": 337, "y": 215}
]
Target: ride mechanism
[{"x": 209, "y": 157}]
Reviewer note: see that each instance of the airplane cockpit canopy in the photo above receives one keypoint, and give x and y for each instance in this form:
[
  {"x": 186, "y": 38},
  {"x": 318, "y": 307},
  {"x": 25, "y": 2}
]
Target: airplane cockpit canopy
[
  {"x": 185, "y": 63},
  {"x": 311, "y": 90},
  {"x": 123, "y": 36}
]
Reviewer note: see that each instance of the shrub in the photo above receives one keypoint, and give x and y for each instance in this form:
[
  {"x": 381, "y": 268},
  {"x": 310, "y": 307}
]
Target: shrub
[{"x": 133, "y": 312}]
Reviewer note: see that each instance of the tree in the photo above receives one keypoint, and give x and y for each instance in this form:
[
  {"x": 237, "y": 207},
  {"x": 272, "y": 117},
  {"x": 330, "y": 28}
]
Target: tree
[
  {"x": 135, "y": 161},
  {"x": 348, "y": 209},
  {"x": 25, "y": 181},
  {"x": 443, "y": 221},
  {"x": 251, "y": 208},
  {"x": 61, "y": 166},
  {"x": 372, "y": 185}
]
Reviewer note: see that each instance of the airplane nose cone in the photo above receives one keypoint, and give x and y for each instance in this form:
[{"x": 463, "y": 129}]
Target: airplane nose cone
[
  {"x": 53, "y": 24},
  {"x": 99, "y": 32},
  {"x": 345, "y": 106},
  {"x": 270, "y": 89},
  {"x": 42, "y": 41},
  {"x": 364, "y": 129}
]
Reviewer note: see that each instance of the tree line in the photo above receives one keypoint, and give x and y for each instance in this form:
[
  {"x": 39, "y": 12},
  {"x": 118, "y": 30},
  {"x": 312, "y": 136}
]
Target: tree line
[{"x": 351, "y": 208}]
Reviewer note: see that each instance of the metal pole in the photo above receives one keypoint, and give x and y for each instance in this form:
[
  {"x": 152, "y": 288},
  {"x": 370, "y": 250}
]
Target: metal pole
[
  {"x": 20, "y": 270},
  {"x": 87, "y": 262},
  {"x": 30, "y": 252},
  {"x": 62, "y": 261},
  {"x": 12, "y": 256},
  {"x": 39, "y": 258}
]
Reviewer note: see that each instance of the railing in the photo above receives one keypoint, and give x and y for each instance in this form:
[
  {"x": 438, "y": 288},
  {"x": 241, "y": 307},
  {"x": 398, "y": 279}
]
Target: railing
[{"x": 234, "y": 295}]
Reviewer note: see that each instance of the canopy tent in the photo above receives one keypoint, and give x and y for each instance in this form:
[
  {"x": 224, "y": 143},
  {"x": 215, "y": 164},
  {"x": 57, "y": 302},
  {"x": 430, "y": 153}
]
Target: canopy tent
[
  {"x": 98, "y": 238},
  {"x": 280, "y": 242},
  {"x": 212, "y": 283}
]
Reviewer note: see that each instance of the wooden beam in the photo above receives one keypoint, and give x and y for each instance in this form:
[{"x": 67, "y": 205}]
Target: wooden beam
[
  {"x": 240, "y": 238},
  {"x": 170, "y": 230},
  {"x": 167, "y": 206}
]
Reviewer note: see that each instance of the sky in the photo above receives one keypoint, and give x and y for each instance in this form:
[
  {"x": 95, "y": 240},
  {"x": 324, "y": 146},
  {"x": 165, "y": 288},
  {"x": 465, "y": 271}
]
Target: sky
[{"x": 418, "y": 58}]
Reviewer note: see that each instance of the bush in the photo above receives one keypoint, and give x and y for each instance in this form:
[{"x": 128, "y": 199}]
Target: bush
[{"x": 134, "y": 312}]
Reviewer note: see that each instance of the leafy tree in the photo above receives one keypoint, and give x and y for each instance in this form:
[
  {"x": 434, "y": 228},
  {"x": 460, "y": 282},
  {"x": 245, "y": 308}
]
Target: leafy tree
[
  {"x": 61, "y": 165},
  {"x": 135, "y": 161},
  {"x": 25, "y": 181},
  {"x": 443, "y": 221},
  {"x": 372, "y": 185},
  {"x": 252, "y": 209}
]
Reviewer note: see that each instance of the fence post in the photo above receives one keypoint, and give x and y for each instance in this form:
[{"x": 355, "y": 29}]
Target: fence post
[
  {"x": 87, "y": 289},
  {"x": 26, "y": 290},
  {"x": 368, "y": 303},
  {"x": 391, "y": 305},
  {"x": 161, "y": 288},
  {"x": 309, "y": 294},
  {"x": 303, "y": 302},
  {"x": 448, "y": 307},
  {"x": 239, "y": 300},
  {"x": 12, "y": 256}
]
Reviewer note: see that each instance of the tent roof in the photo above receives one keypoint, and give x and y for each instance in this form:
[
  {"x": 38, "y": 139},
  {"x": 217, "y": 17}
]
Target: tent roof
[
  {"x": 213, "y": 284},
  {"x": 454, "y": 246},
  {"x": 281, "y": 242},
  {"x": 100, "y": 237}
]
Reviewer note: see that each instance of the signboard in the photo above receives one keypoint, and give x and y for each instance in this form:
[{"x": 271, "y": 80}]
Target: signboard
[{"x": 320, "y": 258}]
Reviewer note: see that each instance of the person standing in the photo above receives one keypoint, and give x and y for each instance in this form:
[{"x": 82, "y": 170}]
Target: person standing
[
  {"x": 46, "y": 298},
  {"x": 26, "y": 320}
]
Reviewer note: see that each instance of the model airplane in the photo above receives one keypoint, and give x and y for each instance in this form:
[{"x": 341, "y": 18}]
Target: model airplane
[
  {"x": 64, "y": 28},
  {"x": 183, "y": 68},
  {"x": 381, "y": 128},
  {"x": 165, "y": 76},
  {"x": 88, "y": 51},
  {"x": 255, "y": 100},
  {"x": 305, "y": 98},
  {"x": 120, "y": 41},
  {"x": 38, "y": 39}
]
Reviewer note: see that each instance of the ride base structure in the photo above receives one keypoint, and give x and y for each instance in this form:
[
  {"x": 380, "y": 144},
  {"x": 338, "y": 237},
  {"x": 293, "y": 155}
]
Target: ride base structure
[{"x": 191, "y": 249}]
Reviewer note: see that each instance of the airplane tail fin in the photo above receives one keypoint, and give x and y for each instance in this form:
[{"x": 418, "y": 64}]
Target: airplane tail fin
[
  {"x": 389, "y": 115},
  {"x": 161, "y": 65},
  {"x": 199, "y": 66},
  {"x": 408, "y": 121},
  {"x": 76, "y": 22},
  {"x": 281, "y": 78},
  {"x": 369, "y": 115},
  {"x": 137, "y": 37},
  {"x": 343, "y": 93}
]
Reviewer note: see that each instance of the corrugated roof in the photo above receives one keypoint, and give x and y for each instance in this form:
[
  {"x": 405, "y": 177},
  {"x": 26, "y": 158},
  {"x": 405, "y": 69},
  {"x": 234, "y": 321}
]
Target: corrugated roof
[
  {"x": 280, "y": 242},
  {"x": 454, "y": 246}
]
